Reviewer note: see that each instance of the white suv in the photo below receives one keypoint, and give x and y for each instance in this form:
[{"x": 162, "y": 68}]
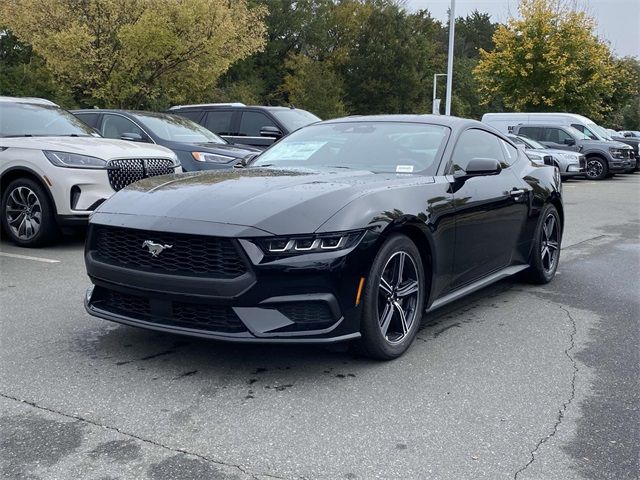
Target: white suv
[{"x": 55, "y": 170}]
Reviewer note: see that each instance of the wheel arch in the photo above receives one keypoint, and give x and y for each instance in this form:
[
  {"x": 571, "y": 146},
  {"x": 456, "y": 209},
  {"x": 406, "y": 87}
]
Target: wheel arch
[
  {"x": 415, "y": 230},
  {"x": 15, "y": 173},
  {"x": 556, "y": 202}
]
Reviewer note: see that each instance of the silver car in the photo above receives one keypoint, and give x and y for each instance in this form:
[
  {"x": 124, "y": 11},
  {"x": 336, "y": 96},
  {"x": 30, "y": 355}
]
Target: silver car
[{"x": 570, "y": 164}]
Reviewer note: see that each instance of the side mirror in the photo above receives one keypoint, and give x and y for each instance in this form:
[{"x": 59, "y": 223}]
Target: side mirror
[
  {"x": 133, "y": 137},
  {"x": 246, "y": 161},
  {"x": 479, "y": 167},
  {"x": 270, "y": 132},
  {"x": 569, "y": 141}
]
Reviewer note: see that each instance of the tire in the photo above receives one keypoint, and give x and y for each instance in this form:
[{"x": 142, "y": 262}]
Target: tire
[
  {"x": 27, "y": 214},
  {"x": 545, "y": 256},
  {"x": 596, "y": 168},
  {"x": 383, "y": 300}
]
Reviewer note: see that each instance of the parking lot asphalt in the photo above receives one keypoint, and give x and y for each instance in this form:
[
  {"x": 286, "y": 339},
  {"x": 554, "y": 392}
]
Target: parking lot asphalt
[{"x": 514, "y": 382}]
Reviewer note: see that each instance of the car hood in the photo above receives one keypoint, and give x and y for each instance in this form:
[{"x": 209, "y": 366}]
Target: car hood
[
  {"x": 602, "y": 144},
  {"x": 104, "y": 148},
  {"x": 554, "y": 151},
  {"x": 219, "y": 148},
  {"x": 274, "y": 201}
]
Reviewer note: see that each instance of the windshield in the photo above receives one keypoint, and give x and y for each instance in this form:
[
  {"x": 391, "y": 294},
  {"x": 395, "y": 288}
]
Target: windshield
[
  {"x": 29, "y": 120},
  {"x": 177, "y": 129},
  {"x": 531, "y": 143},
  {"x": 599, "y": 131},
  {"x": 294, "y": 119},
  {"x": 578, "y": 134},
  {"x": 375, "y": 146}
]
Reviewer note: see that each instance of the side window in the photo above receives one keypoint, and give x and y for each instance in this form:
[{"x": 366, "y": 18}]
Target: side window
[
  {"x": 510, "y": 152},
  {"x": 534, "y": 133},
  {"x": 114, "y": 126},
  {"x": 190, "y": 114},
  {"x": 90, "y": 119},
  {"x": 557, "y": 135},
  {"x": 219, "y": 122},
  {"x": 476, "y": 143},
  {"x": 252, "y": 122},
  {"x": 585, "y": 130}
]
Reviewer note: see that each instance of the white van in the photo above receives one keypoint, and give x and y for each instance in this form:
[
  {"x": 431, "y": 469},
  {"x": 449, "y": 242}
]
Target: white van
[{"x": 506, "y": 121}]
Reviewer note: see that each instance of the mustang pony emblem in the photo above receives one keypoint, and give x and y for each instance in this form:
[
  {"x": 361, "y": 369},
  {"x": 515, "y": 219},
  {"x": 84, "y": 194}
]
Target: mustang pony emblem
[{"x": 155, "y": 249}]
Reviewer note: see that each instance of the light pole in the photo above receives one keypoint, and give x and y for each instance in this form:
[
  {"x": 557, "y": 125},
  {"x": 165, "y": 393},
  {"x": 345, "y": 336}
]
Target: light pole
[
  {"x": 452, "y": 29},
  {"x": 435, "y": 109}
]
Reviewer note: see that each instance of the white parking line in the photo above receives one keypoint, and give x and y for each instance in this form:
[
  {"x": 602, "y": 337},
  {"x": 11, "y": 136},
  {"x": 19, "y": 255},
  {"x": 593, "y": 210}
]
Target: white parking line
[{"x": 26, "y": 257}]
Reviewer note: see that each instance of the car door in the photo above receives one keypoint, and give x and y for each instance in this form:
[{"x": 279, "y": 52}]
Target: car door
[
  {"x": 251, "y": 123},
  {"x": 222, "y": 122},
  {"x": 558, "y": 138},
  {"x": 490, "y": 210}
]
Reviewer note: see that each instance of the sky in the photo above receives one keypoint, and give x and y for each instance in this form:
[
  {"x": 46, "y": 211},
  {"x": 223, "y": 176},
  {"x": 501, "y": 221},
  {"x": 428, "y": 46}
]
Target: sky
[{"x": 618, "y": 20}]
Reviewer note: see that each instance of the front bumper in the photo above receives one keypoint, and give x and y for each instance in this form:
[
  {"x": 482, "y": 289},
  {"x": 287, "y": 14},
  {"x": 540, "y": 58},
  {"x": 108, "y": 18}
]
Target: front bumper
[
  {"x": 304, "y": 298},
  {"x": 616, "y": 166}
]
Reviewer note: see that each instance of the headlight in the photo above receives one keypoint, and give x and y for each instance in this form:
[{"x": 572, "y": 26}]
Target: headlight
[
  {"x": 301, "y": 244},
  {"x": 74, "y": 160},
  {"x": 211, "y": 157},
  {"x": 569, "y": 157},
  {"x": 535, "y": 158},
  {"x": 617, "y": 152}
]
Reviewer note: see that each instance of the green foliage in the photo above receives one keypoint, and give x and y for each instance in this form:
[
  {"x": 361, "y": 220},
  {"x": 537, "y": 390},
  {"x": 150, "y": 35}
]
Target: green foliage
[
  {"x": 134, "y": 53},
  {"x": 314, "y": 86},
  {"x": 625, "y": 102},
  {"x": 332, "y": 57},
  {"x": 550, "y": 59},
  {"x": 24, "y": 74}
]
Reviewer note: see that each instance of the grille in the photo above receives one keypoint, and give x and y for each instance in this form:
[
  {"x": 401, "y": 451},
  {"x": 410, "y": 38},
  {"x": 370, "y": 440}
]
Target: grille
[
  {"x": 121, "y": 303},
  {"x": 207, "y": 317},
  {"x": 214, "y": 318},
  {"x": 306, "y": 315},
  {"x": 189, "y": 255},
  {"x": 124, "y": 172}
]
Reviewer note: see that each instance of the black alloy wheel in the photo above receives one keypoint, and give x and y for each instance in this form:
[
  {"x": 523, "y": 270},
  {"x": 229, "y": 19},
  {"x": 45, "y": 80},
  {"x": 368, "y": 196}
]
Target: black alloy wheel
[
  {"x": 545, "y": 251},
  {"x": 596, "y": 168},
  {"x": 393, "y": 300}
]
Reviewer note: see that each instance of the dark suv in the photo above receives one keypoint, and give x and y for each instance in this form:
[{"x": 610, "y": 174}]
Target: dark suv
[
  {"x": 603, "y": 157},
  {"x": 250, "y": 125}
]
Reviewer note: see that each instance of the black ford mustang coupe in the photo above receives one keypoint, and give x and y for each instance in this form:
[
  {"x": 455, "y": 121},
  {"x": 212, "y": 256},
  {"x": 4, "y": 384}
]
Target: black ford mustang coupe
[{"x": 347, "y": 229}]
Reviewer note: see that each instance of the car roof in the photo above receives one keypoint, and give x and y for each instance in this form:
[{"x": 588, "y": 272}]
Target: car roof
[
  {"x": 124, "y": 112},
  {"x": 574, "y": 116},
  {"x": 232, "y": 105},
  {"x": 199, "y": 105},
  {"x": 444, "y": 120},
  {"x": 30, "y": 100},
  {"x": 542, "y": 125}
]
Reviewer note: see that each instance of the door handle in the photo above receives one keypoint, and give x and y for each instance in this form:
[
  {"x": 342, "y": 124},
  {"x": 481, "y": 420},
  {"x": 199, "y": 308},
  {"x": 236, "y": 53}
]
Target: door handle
[{"x": 517, "y": 193}]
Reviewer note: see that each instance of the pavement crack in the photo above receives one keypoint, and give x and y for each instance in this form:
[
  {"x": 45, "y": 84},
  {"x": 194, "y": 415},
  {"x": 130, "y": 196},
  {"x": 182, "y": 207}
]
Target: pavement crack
[
  {"x": 255, "y": 476},
  {"x": 565, "y": 404}
]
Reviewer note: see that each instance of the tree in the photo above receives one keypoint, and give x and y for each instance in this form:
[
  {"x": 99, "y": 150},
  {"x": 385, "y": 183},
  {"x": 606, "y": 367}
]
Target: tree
[
  {"x": 314, "y": 86},
  {"x": 23, "y": 73},
  {"x": 625, "y": 103},
  {"x": 549, "y": 59},
  {"x": 135, "y": 53}
]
